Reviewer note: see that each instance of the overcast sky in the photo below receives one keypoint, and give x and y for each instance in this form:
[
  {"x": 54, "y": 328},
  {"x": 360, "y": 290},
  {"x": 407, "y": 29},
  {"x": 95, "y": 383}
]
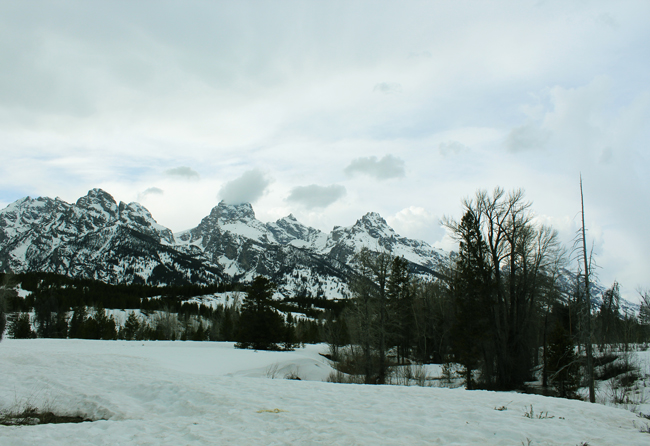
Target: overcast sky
[{"x": 329, "y": 110}]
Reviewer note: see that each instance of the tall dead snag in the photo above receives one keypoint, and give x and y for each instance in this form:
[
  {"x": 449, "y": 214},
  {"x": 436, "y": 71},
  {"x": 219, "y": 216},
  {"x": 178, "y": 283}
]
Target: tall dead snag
[{"x": 589, "y": 343}]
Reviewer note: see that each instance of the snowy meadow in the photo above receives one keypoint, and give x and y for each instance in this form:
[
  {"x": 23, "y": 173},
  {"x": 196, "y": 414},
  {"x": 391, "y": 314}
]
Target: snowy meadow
[{"x": 200, "y": 393}]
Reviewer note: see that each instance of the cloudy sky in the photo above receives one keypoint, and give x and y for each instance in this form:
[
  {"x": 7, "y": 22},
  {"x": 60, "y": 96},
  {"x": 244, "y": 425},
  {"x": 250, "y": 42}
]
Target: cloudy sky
[{"x": 329, "y": 110}]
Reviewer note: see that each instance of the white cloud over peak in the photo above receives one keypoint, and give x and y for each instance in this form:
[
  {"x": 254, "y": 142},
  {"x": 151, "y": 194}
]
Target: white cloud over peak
[
  {"x": 150, "y": 191},
  {"x": 247, "y": 188}
]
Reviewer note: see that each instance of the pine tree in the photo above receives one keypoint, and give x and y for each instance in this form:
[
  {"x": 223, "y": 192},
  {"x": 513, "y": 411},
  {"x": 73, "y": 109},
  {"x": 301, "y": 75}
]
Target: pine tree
[
  {"x": 60, "y": 327},
  {"x": 563, "y": 363},
  {"x": 77, "y": 327},
  {"x": 609, "y": 315},
  {"x": 400, "y": 299},
  {"x": 260, "y": 326},
  {"x": 131, "y": 327},
  {"x": 45, "y": 308},
  {"x": 3, "y": 317},
  {"x": 472, "y": 298},
  {"x": 21, "y": 328}
]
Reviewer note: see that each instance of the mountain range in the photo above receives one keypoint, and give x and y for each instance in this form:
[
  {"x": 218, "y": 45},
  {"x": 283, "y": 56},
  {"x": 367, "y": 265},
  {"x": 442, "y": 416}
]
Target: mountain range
[{"x": 98, "y": 238}]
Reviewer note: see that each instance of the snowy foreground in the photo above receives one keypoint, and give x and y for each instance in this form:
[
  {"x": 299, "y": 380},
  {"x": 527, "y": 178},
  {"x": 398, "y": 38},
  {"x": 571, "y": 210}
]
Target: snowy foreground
[{"x": 206, "y": 393}]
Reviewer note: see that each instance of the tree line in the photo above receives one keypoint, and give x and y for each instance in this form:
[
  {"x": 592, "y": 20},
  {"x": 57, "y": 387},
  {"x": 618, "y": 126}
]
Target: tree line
[
  {"x": 61, "y": 307},
  {"x": 499, "y": 310}
]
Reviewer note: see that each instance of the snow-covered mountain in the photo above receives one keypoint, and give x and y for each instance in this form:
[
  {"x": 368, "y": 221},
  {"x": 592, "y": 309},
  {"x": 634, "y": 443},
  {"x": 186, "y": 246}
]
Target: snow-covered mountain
[
  {"x": 373, "y": 232},
  {"x": 99, "y": 238},
  {"x": 95, "y": 238}
]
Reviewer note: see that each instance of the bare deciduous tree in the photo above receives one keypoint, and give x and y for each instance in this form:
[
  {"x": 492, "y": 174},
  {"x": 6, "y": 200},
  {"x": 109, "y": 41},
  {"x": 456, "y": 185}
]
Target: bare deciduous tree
[{"x": 521, "y": 255}]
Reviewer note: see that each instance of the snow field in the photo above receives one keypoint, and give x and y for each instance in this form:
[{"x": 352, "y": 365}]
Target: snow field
[{"x": 206, "y": 393}]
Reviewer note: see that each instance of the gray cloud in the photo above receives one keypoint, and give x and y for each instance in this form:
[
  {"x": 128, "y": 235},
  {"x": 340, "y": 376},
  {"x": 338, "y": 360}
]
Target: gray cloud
[
  {"x": 246, "y": 189},
  {"x": 150, "y": 191},
  {"x": 527, "y": 137},
  {"x": 183, "y": 171},
  {"x": 388, "y": 87},
  {"x": 452, "y": 148},
  {"x": 314, "y": 196},
  {"x": 387, "y": 167}
]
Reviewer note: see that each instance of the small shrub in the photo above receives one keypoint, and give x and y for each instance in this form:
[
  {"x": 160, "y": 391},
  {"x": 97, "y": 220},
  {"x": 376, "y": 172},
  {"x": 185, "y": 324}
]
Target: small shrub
[
  {"x": 543, "y": 415},
  {"x": 628, "y": 379},
  {"x": 293, "y": 375},
  {"x": 32, "y": 416},
  {"x": 339, "y": 377},
  {"x": 272, "y": 370}
]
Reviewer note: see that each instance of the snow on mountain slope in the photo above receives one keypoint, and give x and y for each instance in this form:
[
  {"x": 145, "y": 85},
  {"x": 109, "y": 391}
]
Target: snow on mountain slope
[
  {"x": 372, "y": 232},
  {"x": 237, "y": 220},
  {"x": 288, "y": 230},
  {"x": 94, "y": 238},
  {"x": 285, "y": 251}
]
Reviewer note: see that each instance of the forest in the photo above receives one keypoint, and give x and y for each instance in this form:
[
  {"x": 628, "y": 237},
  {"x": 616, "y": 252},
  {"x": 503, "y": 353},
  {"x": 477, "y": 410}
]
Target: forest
[{"x": 499, "y": 310}]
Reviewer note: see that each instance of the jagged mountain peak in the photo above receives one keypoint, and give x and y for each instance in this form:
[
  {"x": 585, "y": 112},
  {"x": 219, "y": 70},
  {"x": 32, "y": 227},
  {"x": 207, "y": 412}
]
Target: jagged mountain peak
[
  {"x": 373, "y": 219},
  {"x": 225, "y": 212},
  {"x": 374, "y": 225},
  {"x": 138, "y": 217},
  {"x": 289, "y": 230},
  {"x": 96, "y": 197}
]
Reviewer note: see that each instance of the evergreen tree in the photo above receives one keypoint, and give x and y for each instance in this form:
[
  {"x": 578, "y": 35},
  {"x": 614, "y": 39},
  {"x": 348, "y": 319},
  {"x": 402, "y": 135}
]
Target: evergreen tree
[
  {"x": 8, "y": 300},
  {"x": 21, "y": 328},
  {"x": 260, "y": 326},
  {"x": 60, "y": 328},
  {"x": 3, "y": 317},
  {"x": 108, "y": 326},
  {"x": 609, "y": 315},
  {"x": 77, "y": 327},
  {"x": 227, "y": 325},
  {"x": 131, "y": 327},
  {"x": 400, "y": 298},
  {"x": 472, "y": 299},
  {"x": 563, "y": 365},
  {"x": 45, "y": 308},
  {"x": 200, "y": 334},
  {"x": 289, "y": 338}
]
